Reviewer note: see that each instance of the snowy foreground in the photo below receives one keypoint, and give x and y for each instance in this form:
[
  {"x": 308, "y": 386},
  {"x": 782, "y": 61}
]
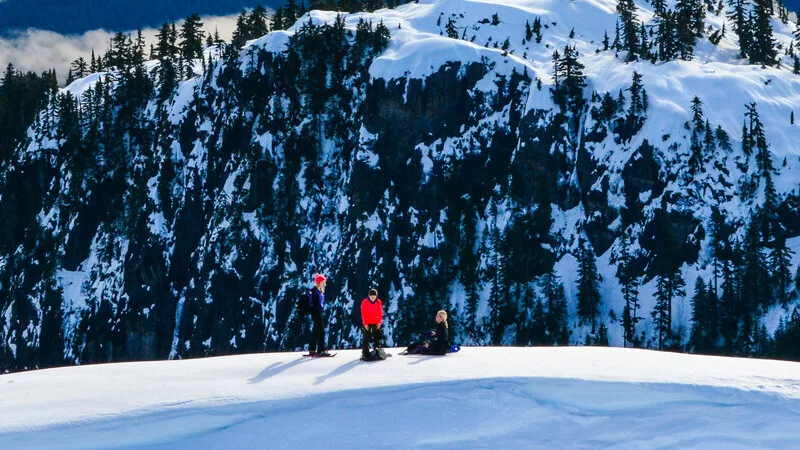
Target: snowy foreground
[{"x": 578, "y": 397}]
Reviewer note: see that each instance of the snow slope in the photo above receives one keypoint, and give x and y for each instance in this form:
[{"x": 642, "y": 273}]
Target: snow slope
[{"x": 481, "y": 397}]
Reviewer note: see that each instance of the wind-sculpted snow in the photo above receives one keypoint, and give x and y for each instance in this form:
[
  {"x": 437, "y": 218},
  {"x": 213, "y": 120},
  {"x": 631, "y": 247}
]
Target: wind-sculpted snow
[{"x": 495, "y": 397}]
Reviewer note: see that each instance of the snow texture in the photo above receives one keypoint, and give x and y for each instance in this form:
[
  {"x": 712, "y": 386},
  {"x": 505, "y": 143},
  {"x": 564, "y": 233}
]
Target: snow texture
[{"x": 497, "y": 397}]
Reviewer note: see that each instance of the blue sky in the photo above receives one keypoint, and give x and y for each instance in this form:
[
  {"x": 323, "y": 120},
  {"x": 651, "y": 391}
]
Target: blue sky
[{"x": 79, "y": 16}]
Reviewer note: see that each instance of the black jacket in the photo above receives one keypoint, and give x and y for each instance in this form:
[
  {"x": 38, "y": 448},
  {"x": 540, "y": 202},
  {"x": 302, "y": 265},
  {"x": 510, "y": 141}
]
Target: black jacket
[
  {"x": 441, "y": 343},
  {"x": 316, "y": 300}
]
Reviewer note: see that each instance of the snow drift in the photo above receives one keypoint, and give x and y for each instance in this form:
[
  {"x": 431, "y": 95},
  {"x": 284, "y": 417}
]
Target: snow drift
[{"x": 481, "y": 397}]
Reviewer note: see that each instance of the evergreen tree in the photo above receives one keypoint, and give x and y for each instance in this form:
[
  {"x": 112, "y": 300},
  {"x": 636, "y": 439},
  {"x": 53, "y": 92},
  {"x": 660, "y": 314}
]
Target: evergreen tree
[
  {"x": 770, "y": 225},
  {"x": 644, "y": 45},
  {"x": 780, "y": 259},
  {"x": 192, "y": 38},
  {"x": 537, "y": 30},
  {"x": 696, "y": 158},
  {"x": 659, "y": 7},
  {"x": 704, "y": 323},
  {"x": 762, "y": 50},
  {"x": 668, "y": 287},
  {"x": 556, "y": 70},
  {"x": 381, "y": 38},
  {"x": 166, "y": 50},
  {"x": 747, "y": 143},
  {"x": 629, "y": 28},
  {"x": 22, "y": 97},
  {"x": 290, "y": 12},
  {"x": 755, "y": 289},
  {"x": 637, "y": 100},
  {"x": 709, "y": 145},
  {"x": 666, "y": 37},
  {"x": 257, "y": 23},
  {"x": 137, "y": 50},
  {"x": 570, "y": 80},
  {"x": 787, "y": 337},
  {"x": 617, "y": 44},
  {"x": 588, "y": 285},
  {"x": 607, "y": 107},
  {"x": 630, "y": 292},
  {"x": 716, "y": 247},
  {"x": 506, "y": 45},
  {"x": 242, "y": 31},
  {"x": 699, "y": 16},
  {"x": 757, "y": 139},
  {"x": 468, "y": 260},
  {"x": 797, "y": 33},
  {"x": 119, "y": 54},
  {"x": 723, "y": 140},
  {"x": 93, "y": 67},
  {"x": 173, "y": 40},
  {"x": 498, "y": 301},
  {"x": 686, "y": 27},
  {"x": 602, "y": 336},
  {"x": 80, "y": 68},
  {"x": 797, "y": 279},
  {"x": 556, "y": 316},
  {"x": 729, "y": 314},
  {"x": 450, "y": 29},
  {"x": 697, "y": 114},
  {"x": 278, "y": 21},
  {"x": 168, "y": 77},
  {"x": 741, "y": 25}
]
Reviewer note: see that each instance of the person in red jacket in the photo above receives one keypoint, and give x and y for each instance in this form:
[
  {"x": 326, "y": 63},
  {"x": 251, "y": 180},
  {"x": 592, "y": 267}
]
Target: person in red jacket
[{"x": 371, "y": 318}]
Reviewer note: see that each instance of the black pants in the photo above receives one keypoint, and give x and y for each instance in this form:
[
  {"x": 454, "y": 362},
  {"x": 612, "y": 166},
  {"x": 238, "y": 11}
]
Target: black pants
[
  {"x": 372, "y": 333},
  {"x": 419, "y": 348},
  {"x": 318, "y": 333}
]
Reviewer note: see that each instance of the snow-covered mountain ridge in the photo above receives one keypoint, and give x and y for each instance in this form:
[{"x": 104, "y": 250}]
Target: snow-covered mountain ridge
[
  {"x": 438, "y": 156},
  {"x": 511, "y": 397}
]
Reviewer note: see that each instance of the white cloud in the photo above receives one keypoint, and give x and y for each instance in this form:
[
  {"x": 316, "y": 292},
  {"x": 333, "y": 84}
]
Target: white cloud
[{"x": 40, "y": 50}]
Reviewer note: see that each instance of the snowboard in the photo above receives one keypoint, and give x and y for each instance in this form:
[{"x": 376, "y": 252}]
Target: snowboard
[
  {"x": 315, "y": 356},
  {"x": 377, "y": 355}
]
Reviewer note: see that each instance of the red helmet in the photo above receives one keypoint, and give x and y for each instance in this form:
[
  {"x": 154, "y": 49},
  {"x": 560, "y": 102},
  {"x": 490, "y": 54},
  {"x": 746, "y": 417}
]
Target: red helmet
[{"x": 319, "y": 278}]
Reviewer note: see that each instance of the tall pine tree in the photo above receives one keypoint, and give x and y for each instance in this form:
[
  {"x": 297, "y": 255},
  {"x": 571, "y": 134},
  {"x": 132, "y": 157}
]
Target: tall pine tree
[{"x": 588, "y": 285}]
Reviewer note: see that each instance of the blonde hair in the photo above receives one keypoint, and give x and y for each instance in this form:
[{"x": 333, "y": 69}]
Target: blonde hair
[{"x": 443, "y": 314}]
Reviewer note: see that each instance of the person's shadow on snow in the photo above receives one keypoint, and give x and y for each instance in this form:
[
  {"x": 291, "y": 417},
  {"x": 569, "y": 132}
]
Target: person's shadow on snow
[
  {"x": 274, "y": 369},
  {"x": 336, "y": 372},
  {"x": 419, "y": 359}
]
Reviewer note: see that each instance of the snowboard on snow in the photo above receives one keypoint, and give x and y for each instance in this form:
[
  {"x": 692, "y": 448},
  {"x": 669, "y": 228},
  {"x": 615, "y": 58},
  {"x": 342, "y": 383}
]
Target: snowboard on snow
[
  {"x": 377, "y": 355},
  {"x": 455, "y": 348},
  {"x": 315, "y": 356}
]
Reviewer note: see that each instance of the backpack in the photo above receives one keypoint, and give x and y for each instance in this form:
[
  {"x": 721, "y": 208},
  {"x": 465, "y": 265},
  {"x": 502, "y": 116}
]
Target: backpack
[{"x": 304, "y": 304}]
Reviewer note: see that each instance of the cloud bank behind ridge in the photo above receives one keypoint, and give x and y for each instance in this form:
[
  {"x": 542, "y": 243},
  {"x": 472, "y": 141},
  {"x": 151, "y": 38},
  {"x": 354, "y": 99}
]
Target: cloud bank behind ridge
[{"x": 40, "y": 50}]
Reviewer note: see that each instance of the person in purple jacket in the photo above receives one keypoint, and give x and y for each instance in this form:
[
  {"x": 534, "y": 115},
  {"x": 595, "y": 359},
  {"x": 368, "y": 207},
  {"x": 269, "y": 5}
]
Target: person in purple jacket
[{"x": 317, "y": 299}]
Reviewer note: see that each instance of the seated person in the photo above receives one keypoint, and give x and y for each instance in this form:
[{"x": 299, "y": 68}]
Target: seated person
[{"x": 438, "y": 342}]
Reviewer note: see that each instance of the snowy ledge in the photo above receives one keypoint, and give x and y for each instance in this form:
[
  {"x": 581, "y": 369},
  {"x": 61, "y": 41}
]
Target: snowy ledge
[{"x": 495, "y": 397}]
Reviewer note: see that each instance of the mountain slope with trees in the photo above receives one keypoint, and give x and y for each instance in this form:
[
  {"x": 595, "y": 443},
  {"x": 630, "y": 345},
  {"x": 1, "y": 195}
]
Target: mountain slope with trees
[{"x": 551, "y": 173}]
